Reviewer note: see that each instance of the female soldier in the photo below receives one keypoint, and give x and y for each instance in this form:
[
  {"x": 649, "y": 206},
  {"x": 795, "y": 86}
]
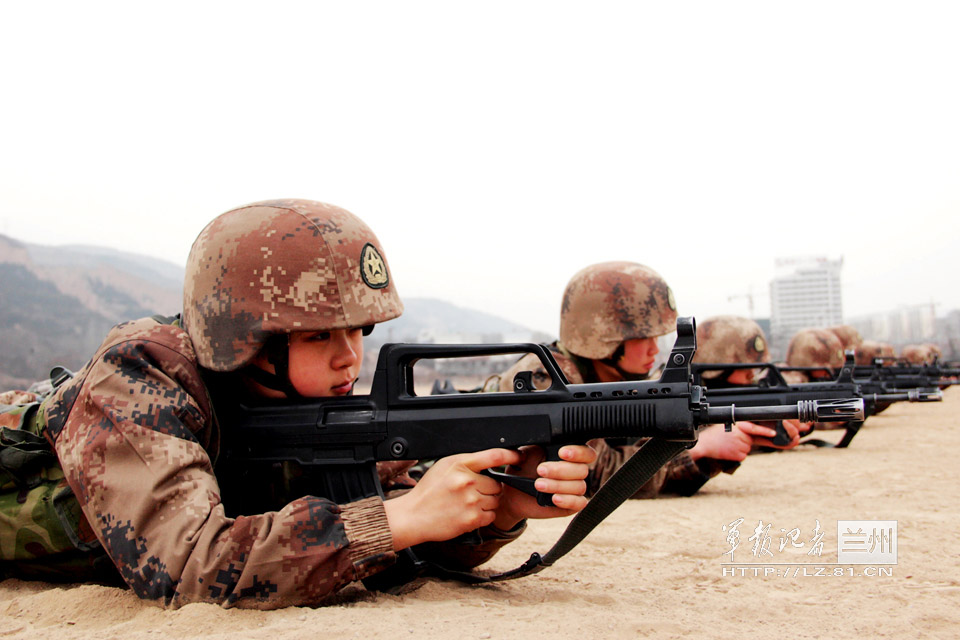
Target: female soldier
[{"x": 277, "y": 297}]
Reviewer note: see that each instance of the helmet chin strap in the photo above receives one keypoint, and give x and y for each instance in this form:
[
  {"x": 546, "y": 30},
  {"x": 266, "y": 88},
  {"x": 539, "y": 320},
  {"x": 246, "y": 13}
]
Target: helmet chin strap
[
  {"x": 614, "y": 363},
  {"x": 277, "y": 349}
]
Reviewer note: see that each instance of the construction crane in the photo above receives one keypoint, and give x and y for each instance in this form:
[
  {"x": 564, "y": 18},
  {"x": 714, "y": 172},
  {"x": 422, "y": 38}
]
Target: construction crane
[{"x": 749, "y": 295}]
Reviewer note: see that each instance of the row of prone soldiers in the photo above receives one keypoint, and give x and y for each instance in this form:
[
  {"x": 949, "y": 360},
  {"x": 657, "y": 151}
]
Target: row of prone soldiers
[
  {"x": 114, "y": 475},
  {"x": 819, "y": 348}
]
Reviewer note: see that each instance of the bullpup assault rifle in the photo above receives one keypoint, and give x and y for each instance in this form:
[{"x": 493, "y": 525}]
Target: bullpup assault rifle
[{"x": 332, "y": 445}]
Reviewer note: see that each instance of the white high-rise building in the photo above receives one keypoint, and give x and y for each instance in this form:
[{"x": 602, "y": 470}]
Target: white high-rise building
[
  {"x": 805, "y": 293},
  {"x": 904, "y": 325}
]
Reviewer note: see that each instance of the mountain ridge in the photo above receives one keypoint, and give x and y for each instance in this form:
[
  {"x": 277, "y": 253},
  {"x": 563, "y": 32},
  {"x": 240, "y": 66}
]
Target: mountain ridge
[{"x": 58, "y": 303}]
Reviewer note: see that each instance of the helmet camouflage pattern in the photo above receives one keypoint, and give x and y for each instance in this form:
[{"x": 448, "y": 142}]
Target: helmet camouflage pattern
[
  {"x": 849, "y": 336},
  {"x": 280, "y": 266},
  {"x": 608, "y": 303},
  {"x": 920, "y": 353},
  {"x": 815, "y": 348},
  {"x": 913, "y": 353},
  {"x": 730, "y": 339},
  {"x": 868, "y": 350}
]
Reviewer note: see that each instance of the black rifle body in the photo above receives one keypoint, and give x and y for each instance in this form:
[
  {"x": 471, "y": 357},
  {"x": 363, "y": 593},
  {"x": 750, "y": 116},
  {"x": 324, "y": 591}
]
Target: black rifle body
[
  {"x": 329, "y": 448},
  {"x": 334, "y": 443},
  {"x": 773, "y": 389}
]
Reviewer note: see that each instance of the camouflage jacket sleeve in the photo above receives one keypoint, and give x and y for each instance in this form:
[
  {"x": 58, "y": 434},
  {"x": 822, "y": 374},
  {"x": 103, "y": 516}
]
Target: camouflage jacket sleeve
[
  {"x": 470, "y": 549},
  {"x": 135, "y": 435},
  {"x": 610, "y": 459},
  {"x": 461, "y": 553},
  {"x": 685, "y": 477}
]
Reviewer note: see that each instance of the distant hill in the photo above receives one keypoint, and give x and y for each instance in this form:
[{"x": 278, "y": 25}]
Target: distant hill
[
  {"x": 57, "y": 304},
  {"x": 433, "y": 320}
]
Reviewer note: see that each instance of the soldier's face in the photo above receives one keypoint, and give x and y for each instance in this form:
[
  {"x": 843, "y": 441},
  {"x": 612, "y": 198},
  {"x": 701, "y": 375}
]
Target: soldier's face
[
  {"x": 325, "y": 363},
  {"x": 639, "y": 355},
  {"x": 742, "y": 377}
]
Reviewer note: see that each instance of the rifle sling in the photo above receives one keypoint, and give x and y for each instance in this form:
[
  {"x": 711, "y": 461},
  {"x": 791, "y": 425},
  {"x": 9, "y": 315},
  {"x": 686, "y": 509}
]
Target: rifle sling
[
  {"x": 624, "y": 483},
  {"x": 849, "y": 432}
]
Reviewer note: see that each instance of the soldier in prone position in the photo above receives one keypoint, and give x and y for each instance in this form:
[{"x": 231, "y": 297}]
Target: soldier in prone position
[
  {"x": 735, "y": 339},
  {"x": 611, "y": 316},
  {"x": 277, "y": 298}
]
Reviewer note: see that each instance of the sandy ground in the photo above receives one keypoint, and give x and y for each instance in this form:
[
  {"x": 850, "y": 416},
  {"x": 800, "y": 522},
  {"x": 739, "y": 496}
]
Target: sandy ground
[{"x": 654, "y": 569}]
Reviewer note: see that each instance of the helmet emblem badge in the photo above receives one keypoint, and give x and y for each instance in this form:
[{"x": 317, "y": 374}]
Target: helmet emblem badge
[{"x": 372, "y": 268}]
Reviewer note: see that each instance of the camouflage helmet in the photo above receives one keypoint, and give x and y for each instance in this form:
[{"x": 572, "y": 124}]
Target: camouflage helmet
[
  {"x": 849, "y": 336},
  {"x": 917, "y": 354},
  {"x": 815, "y": 348},
  {"x": 730, "y": 339},
  {"x": 279, "y": 266},
  {"x": 608, "y": 303},
  {"x": 868, "y": 350}
]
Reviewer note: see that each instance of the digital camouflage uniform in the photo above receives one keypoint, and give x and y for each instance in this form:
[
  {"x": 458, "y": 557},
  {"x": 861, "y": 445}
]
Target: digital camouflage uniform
[{"x": 137, "y": 430}]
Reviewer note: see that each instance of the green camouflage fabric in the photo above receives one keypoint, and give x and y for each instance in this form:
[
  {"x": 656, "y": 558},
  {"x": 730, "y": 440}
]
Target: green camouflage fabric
[
  {"x": 279, "y": 266},
  {"x": 43, "y": 534},
  {"x": 30, "y": 477},
  {"x": 727, "y": 339},
  {"x": 608, "y": 303}
]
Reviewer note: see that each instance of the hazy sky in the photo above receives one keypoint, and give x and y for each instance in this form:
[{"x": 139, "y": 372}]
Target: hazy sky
[{"x": 498, "y": 147}]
